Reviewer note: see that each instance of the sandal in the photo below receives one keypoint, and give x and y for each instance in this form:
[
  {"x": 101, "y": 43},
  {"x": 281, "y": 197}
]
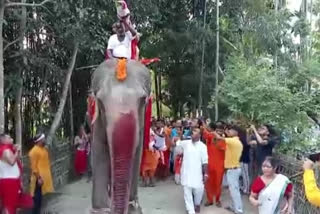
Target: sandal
[
  {"x": 229, "y": 209},
  {"x": 208, "y": 204},
  {"x": 218, "y": 204}
]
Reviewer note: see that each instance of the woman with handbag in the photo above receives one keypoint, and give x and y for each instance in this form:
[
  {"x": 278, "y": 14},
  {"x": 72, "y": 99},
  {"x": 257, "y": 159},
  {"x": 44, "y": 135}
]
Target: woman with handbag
[
  {"x": 81, "y": 142},
  {"x": 11, "y": 194}
]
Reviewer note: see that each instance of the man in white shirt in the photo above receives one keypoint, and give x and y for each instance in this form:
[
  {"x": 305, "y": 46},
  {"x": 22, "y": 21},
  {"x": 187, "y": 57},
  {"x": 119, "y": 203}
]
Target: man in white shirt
[
  {"x": 193, "y": 171},
  {"x": 120, "y": 44}
]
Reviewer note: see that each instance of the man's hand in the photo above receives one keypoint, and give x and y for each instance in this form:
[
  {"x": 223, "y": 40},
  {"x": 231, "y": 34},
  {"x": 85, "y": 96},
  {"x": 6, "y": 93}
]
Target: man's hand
[
  {"x": 175, "y": 139},
  {"x": 217, "y": 136},
  {"x": 255, "y": 203},
  {"x": 18, "y": 150},
  {"x": 308, "y": 164},
  {"x": 40, "y": 181},
  {"x": 205, "y": 178},
  {"x": 253, "y": 142},
  {"x": 208, "y": 121},
  {"x": 285, "y": 208},
  {"x": 252, "y": 127},
  {"x": 126, "y": 20}
]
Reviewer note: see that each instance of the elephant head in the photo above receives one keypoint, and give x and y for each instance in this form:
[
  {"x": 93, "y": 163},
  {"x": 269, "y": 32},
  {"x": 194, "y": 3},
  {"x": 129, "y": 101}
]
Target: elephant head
[{"x": 118, "y": 134}]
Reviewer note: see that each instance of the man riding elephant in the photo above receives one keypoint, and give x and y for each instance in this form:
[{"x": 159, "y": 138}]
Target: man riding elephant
[{"x": 118, "y": 134}]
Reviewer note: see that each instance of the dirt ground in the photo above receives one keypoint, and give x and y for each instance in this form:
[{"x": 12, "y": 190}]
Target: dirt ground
[{"x": 165, "y": 198}]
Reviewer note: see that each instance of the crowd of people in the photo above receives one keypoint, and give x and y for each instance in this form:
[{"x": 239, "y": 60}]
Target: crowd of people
[{"x": 202, "y": 154}]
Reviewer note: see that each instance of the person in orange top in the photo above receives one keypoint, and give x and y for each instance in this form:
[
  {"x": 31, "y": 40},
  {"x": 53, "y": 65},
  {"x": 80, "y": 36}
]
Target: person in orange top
[
  {"x": 41, "y": 179},
  {"x": 150, "y": 163},
  {"x": 216, "y": 154}
]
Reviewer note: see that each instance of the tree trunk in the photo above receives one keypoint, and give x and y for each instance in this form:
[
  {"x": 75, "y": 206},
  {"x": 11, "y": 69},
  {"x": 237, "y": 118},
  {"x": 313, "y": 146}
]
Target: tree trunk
[
  {"x": 6, "y": 110},
  {"x": 216, "y": 104},
  {"x": 159, "y": 95},
  {"x": 202, "y": 60},
  {"x": 2, "y": 6},
  {"x": 310, "y": 39},
  {"x": 71, "y": 114},
  {"x": 276, "y": 8},
  {"x": 58, "y": 115},
  {"x": 304, "y": 44},
  {"x": 18, "y": 122},
  {"x": 17, "y": 114}
]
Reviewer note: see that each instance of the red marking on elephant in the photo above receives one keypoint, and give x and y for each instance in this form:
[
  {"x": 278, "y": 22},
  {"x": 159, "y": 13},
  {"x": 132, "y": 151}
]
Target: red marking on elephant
[{"x": 123, "y": 148}]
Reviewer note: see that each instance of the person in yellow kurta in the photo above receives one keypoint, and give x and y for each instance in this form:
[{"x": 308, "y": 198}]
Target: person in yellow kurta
[
  {"x": 310, "y": 184},
  {"x": 41, "y": 179}
]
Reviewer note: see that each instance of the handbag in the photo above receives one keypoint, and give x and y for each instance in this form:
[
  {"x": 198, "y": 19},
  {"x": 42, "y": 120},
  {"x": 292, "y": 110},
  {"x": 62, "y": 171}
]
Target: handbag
[{"x": 25, "y": 201}]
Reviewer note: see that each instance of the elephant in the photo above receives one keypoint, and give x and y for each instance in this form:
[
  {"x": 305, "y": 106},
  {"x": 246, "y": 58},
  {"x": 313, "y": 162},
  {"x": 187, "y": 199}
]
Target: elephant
[{"x": 117, "y": 140}]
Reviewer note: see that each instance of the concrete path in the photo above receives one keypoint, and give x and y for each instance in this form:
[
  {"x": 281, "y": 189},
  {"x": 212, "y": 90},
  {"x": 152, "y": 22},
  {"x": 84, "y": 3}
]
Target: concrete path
[{"x": 165, "y": 198}]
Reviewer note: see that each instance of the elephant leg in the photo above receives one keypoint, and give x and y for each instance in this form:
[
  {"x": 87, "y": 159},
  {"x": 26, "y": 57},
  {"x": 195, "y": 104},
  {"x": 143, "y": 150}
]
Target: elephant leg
[
  {"x": 134, "y": 206},
  {"x": 100, "y": 168}
]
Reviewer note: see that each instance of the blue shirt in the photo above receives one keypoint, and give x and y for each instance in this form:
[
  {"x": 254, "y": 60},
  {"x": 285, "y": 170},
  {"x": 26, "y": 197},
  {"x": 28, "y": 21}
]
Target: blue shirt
[{"x": 174, "y": 133}]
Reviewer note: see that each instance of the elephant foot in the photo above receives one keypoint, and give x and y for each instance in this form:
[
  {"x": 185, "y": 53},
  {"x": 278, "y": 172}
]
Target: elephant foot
[
  {"x": 100, "y": 211},
  {"x": 134, "y": 208}
]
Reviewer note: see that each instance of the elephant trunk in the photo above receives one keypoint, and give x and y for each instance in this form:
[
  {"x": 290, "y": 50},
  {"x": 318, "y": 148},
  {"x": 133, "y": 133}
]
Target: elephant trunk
[{"x": 123, "y": 144}]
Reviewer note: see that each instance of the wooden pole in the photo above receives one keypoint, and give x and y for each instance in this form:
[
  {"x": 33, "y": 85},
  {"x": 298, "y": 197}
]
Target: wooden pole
[
  {"x": 2, "y": 122},
  {"x": 216, "y": 104},
  {"x": 71, "y": 113},
  {"x": 18, "y": 98},
  {"x": 159, "y": 94},
  {"x": 202, "y": 59}
]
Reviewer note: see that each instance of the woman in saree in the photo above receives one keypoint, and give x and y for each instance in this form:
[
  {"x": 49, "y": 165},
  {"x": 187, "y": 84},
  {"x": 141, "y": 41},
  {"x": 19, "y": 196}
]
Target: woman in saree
[
  {"x": 81, "y": 142},
  {"x": 272, "y": 193}
]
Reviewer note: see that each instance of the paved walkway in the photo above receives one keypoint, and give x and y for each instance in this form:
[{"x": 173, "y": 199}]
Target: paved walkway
[{"x": 165, "y": 198}]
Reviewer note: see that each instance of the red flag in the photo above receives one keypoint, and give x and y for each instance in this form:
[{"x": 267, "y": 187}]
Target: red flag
[
  {"x": 149, "y": 61},
  {"x": 147, "y": 126}
]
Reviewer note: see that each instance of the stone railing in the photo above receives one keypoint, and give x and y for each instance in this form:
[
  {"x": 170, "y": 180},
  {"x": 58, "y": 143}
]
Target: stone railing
[
  {"x": 292, "y": 167},
  {"x": 61, "y": 156}
]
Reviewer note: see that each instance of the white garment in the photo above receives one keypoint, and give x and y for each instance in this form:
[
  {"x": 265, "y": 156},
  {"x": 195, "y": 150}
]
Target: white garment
[
  {"x": 177, "y": 179},
  {"x": 270, "y": 197},
  {"x": 8, "y": 171},
  {"x": 121, "y": 49},
  {"x": 194, "y": 156},
  {"x": 160, "y": 142},
  {"x": 192, "y": 197},
  {"x": 233, "y": 176}
]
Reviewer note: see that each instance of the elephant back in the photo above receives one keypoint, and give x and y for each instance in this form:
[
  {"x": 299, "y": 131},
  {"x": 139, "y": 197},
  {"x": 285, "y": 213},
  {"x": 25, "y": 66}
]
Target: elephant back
[{"x": 137, "y": 74}]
